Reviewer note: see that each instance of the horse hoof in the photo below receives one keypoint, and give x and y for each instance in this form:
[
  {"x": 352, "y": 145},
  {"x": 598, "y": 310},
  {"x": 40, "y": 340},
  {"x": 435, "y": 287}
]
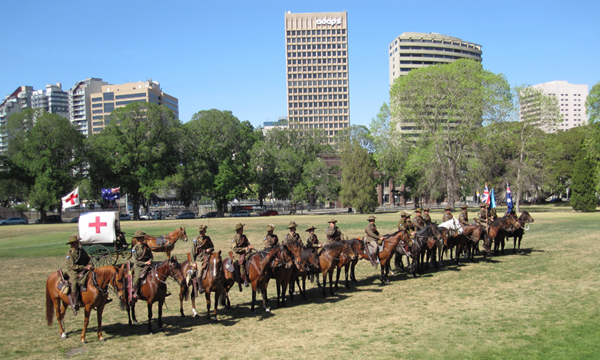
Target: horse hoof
[
  {"x": 102, "y": 340},
  {"x": 64, "y": 336},
  {"x": 135, "y": 322},
  {"x": 392, "y": 272},
  {"x": 268, "y": 310}
]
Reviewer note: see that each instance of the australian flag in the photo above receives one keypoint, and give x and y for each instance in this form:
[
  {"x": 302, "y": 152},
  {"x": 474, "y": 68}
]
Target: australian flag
[
  {"x": 111, "y": 194},
  {"x": 509, "y": 201}
]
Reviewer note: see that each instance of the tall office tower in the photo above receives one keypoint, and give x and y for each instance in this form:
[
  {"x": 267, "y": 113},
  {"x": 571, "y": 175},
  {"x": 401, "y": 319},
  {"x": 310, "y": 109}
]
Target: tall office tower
[
  {"x": 14, "y": 103},
  {"x": 317, "y": 71},
  {"x": 112, "y": 97},
  {"x": 52, "y": 99},
  {"x": 413, "y": 50},
  {"x": 571, "y": 101},
  {"x": 80, "y": 113}
]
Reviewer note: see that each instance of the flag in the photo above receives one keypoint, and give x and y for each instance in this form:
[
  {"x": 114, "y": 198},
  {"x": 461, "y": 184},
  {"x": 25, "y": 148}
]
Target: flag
[
  {"x": 111, "y": 194},
  {"x": 71, "y": 199},
  {"x": 492, "y": 200},
  {"x": 509, "y": 201},
  {"x": 98, "y": 227},
  {"x": 485, "y": 198}
]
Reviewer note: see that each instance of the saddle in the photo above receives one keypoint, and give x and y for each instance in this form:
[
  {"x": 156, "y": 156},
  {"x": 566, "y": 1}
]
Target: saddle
[
  {"x": 145, "y": 271},
  {"x": 161, "y": 240}
]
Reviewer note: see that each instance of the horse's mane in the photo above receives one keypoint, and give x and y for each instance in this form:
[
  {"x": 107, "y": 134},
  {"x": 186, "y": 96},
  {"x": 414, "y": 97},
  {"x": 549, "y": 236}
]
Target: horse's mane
[
  {"x": 106, "y": 271},
  {"x": 333, "y": 245}
]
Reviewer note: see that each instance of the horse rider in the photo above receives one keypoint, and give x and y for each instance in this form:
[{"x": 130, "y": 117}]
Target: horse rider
[
  {"x": 292, "y": 235},
  {"x": 142, "y": 257},
  {"x": 402, "y": 220},
  {"x": 202, "y": 247},
  {"x": 333, "y": 232},
  {"x": 311, "y": 240},
  {"x": 418, "y": 222},
  {"x": 463, "y": 218},
  {"x": 426, "y": 216},
  {"x": 448, "y": 215},
  {"x": 482, "y": 216},
  {"x": 78, "y": 268},
  {"x": 270, "y": 239},
  {"x": 241, "y": 249},
  {"x": 373, "y": 239},
  {"x": 405, "y": 225}
]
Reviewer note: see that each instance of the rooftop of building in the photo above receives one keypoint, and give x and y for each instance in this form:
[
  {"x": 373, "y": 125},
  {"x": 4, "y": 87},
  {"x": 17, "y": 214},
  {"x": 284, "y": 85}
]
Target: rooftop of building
[{"x": 430, "y": 37}]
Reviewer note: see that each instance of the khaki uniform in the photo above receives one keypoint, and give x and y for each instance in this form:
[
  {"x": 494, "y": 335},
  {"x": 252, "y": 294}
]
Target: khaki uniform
[
  {"x": 312, "y": 241},
  {"x": 492, "y": 214},
  {"x": 199, "y": 245},
  {"x": 463, "y": 218},
  {"x": 418, "y": 222},
  {"x": 292, "y": 237},
  {"x": 482, "y": 217},
  {"x": 77, "y": 261},
  {"x": 270, "y": 240},
  {"x": 333, "y": 234},
  {"x": 447, "y": 217},
  {"x": 141, "y": 254},
  {"x": 238, "y": 247},
  {"x": 402, "y": 224},
  {"x": 426, "y": 218}
]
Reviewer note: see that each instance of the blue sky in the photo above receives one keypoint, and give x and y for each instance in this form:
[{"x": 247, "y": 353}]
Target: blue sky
[{"x": 230, "y": 55}]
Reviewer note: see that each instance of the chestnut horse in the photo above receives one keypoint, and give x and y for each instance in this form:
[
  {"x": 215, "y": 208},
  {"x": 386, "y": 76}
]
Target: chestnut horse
[
  {"x": 307, "y": 266},
  {"x": 165, "y": 243},
  {"x": 93, "y": 298},
  {"x": 347, "y": 257},
  {"x": 212, "y": 282},
  {"x": 258, "y": 267},
  {"x": 282, "y": 268},
  {"x": 358, "y": 246},
  {"x": 499, "y": 228},
  {"x": 330, "y": 255},
  {"x": 390, "y": 244},
  {"x": 451, "y": 240},
  {"x": 525, "y": 218},
  {"x": 474, "y": 234},
  {"x": 155, "y": 289}
]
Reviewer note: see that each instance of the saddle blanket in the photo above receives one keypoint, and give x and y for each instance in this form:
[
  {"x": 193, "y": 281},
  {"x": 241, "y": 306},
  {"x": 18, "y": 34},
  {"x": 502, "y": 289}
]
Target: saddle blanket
[{"x": 161, "y": 240}]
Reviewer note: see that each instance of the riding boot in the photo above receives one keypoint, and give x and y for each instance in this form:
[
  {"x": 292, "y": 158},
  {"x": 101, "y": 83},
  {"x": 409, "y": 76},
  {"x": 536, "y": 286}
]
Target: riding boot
[
  {"x": 73, "y": 303},
  {"x": 407, "y": 250}
]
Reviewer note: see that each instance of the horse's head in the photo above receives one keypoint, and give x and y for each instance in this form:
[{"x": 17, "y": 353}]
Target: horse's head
[
  {"x": 435, "y": 232},
  {"x": 525, "y": 217},
  {"x": 487, "y": 245},
  {"x": 349, "y": 251},
  {"x": 182, "y": 234},
  {"x": 118, "y": 280},
  {"x": 295, "y": 247},
  {"x": 284, "y": 257},
  {"x": 175, "y": 270},
  {"x": 512, "y": 223}
]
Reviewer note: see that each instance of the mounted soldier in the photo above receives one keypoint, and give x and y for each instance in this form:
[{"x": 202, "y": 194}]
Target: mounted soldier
[
  {"x": 373, "y": 239},
  {"x": 270, "y": 239},
  {"x": 418, "y": 221},
  {"x": 292, "y": 235},
  {"x": 241, "y": 249},
  {"x": 78, "y": 268},
  {"x": 202, "y": 247},
  {"x": 333, "y": 232},
  {"x": 426, "y": 216},
  {"x": 463, "y": 218},
  {"x": 142, "y": 258},
  {"x": 311, "y": 240},
  {"x": 402, "y": 220},
  {"x": 448, "y": 215}
]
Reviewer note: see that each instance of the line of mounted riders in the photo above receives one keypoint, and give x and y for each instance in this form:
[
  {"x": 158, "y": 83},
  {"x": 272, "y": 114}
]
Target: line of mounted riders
[{"x": 288, "y": 261}]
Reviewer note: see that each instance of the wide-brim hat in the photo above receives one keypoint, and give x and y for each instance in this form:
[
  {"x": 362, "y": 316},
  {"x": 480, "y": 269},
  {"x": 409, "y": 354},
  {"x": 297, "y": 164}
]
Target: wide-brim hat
[
  {"x": 448, "y": 208},
  {"x": 73, "y": 238},
  {"x": 408, "y": 214},
  {"x": 239, "y": 226},
  {"x": 426, "y": 209},
  {"x": 311, "y": 228},
  {"x": 292, "y": 225},
  {"x": 270, "y": 227},
  {"x": 332, "y": 221},
  {"x": 139, "y": 234},
  {"x": 482, "y": 205},
  {"x": 371, "y": 218},
  {"x": 464, "y": 207},
  {"x": 418, "y": 210},
  {"x": 403, "y": 213},
  {"x": 202, "y": 227}
]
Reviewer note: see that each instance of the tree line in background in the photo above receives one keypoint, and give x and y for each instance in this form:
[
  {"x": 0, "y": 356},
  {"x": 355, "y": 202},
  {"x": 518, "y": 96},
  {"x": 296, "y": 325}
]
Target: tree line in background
[{"x": 447, "y": 130}]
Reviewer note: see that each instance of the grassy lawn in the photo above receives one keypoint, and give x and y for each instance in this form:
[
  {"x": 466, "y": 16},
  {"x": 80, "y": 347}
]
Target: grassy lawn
[{"x": 541, "y": 304}]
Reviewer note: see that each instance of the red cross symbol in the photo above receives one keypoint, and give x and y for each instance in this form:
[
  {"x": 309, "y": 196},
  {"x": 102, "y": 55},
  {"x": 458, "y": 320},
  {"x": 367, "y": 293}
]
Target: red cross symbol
[
  {"x": 97, "y": 224},
  {"x": 72, "y": 198}
]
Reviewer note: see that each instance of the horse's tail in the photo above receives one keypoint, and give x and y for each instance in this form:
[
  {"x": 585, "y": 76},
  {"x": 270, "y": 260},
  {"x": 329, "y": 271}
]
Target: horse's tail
[
  {"x": 49, "y": 305},
  {"x": 185, "y": 292},
  {"x": 222, "y": 298}
]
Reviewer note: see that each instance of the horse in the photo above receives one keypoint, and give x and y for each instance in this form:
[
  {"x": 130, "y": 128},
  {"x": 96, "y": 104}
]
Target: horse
[
  {"x": 258, "y": 266},
  {"x": 296, "y": 248},
  {"x": 474, "y": 234},
  {"x": 390, "y": 244},
  {"x": 212, "y": 282},
  {"x": 94, "y": 297},
  {"x": 281, "y": 270},
  {"x": 525, "y": 218},
  {"x": 164, "y": 243},
  {"x": 457, "y": 240},
  {"x": 307, "y": 266},
  {"x": 347, "y": 257},
  {"x": 328, "y": 259},
  {"x": 155, "y": 289},
  {"x": 358, "y": 246},
  {"x": 498, "y": 229},
  {"x": 422, "y": 244}
]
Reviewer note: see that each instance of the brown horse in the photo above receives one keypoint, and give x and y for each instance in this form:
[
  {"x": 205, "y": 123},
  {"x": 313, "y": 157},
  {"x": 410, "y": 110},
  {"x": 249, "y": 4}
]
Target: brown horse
[
  {"x": 300, "y": 270},
  {"x": 346, "y": 258},
  {"x": 452, "y": 240},
  {"x": 212, "y": 282},
  {"x": 281, "y": 270},
  {"x": 308, "y": 266},
  {"x": 390, "y": 244},
  {"x": 499, "y": 228},
  {"x": 524, "y": 219},
  {"x": 421, "y": 245},
  {"x": 165, "y": 243},
  {"x": 474, "y": 234},
  {"x": 258, "y": 267},
  {"x": 155, "y": 289},
  {"x": 358, "y": 246},
  {"x": 94, "y": 298},
  {"x": 330, "y": 255}
]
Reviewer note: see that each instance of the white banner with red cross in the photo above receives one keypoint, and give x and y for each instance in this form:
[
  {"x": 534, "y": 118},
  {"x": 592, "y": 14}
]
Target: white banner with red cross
[
  {"x": 98, "y": 227},
  {"x": 71, "y": 199}
]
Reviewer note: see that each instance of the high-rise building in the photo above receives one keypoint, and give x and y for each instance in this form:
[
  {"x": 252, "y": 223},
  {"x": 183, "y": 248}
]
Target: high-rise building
[
  {"x": 570, "y": 99},
  {"x": 80, "y": 113},
  {"x": 413, "y": 50},
  {"x": 281, "y": 123},
  {"x": 19, "y": 100},
  {"x": 52, "y": 99},
  {"x": 317, "y": 71},
  {"x": 111, "y": 97}
]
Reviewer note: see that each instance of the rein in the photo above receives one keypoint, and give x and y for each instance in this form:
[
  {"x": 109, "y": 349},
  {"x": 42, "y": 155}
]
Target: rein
[{"x": 166, "y": 276}]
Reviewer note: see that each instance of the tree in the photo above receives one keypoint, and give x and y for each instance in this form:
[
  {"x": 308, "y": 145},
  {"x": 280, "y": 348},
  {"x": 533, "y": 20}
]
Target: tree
[
  {"x": 218, "y": 153},
  {"x": 584, "y": 194},
  {"x": 46, "y": 155},
  {"x": 443, "y": 104},
  {"x": 358, "y": 181},
  {"x": 137, "y": 151},
  {"x": 593, "y": 104}
]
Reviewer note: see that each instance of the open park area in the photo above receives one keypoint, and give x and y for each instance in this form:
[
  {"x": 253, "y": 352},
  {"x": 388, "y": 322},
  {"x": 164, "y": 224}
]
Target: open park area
[{"x": 542, "y": 303}]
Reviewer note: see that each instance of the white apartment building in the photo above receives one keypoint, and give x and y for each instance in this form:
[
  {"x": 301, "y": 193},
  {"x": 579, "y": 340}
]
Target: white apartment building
[
  {"x": 52, "y": 99},
  {"x": 19, "y": 100},
  {"x": 80, "y": 112}
]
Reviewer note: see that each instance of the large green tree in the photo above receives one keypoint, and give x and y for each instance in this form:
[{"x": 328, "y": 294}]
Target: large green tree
[
  {"x": 592, "y": 104},
  {"x": 137, "y": 151},
  {"x": 583, "y": 197},
  {"x": 46, "y": 155},
  {"x": 358, "y": 181},
  {"x": 442, "y": 105}
]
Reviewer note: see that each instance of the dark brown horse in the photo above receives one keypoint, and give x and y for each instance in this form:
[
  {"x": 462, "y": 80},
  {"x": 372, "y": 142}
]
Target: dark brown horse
[
  {"x": 164, "y": 243},
  {"x": 258, "y": 267},
  {"x": 300, "y": 270},
  {"x": 358, "y": 246},
  {"x": 212, "y": 282},
  {"x": 282, "y": 267},
  {"x": 93, "y": 298},
  {"x": 453, "y": 240},
  {"x": 309, "y": 266},
  {"x": 390, "y": 244},
  {"x": 346, "y": 258},
  {"x": 524, "y": 219},
  {"x": 499, "y": 228},
  {"x": 422, "y": 245},
  {"x": 155, "y": 289},
  {"x": 328, "y": 259},
  {"x": 475, "y": 234}
]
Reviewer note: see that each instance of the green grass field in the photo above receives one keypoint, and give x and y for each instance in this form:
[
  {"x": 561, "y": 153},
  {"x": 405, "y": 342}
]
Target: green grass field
[{"x": 541, "y": 304}]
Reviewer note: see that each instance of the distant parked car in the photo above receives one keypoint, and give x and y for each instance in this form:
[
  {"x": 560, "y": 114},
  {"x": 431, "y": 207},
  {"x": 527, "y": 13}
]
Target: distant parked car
[
  {"x": 124, "y": 217},
  {"x": 268, "y": 213},
  {"x": 186, "y": 214},
  {"x": 51, "y": 219},
  {"x": 15, "y": 220},
  {"x": 75, "y": 219},
  {"x": 241, "y": 213},
  {"x": 212, "y": 214}
]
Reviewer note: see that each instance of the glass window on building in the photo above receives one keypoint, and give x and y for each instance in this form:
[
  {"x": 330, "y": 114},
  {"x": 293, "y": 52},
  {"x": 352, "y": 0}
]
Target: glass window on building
[{"x": 108, "y": 96}]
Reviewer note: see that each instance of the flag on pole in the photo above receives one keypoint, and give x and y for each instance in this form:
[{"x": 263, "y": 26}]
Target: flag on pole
[
  {"x": 71, "y": 199},
  {"x": 509, "y": 201},
  {"x": 485, "y": 198},
  {"x": 111, "y": 194},
  {"x": 492, "y": 200}
]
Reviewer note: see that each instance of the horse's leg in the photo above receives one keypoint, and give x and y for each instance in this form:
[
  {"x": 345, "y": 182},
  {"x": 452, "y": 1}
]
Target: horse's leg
[
  {"x": 181, "y": 296},
  {"x": 60, "y": 314},
  {"x": 520, "y": 238},
  {"x": 502, "y": 244},
  {"x": 149, "y": 316},
  {"x": 346, "y": 270},
  {"x": 324, "y": 283},
  {"x": 218, "y": 292},
  {"x": 193, "y": 299},
  {"x": 160, "y": 305},
  {"x": 331, "y": 282},
  {"x": 264, "y": 295},
  {"x": 99, "y": 311},
  {"x": 352, "y": 266},
  {"x": 304, "y": 286},
  {"x": 207, "y": 296},
  {"x": 317, "y": 277},
  {"x": 279, "y": 287},
  {"x": 337, "y": 276},
  {"x": 86, "y": 321}
]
